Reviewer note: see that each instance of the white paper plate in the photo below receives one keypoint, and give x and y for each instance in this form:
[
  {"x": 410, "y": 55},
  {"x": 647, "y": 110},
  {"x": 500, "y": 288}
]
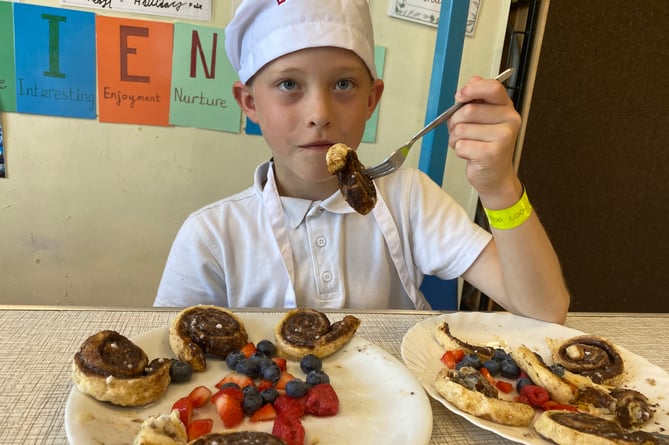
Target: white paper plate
[
  {"x": 421, "y": 353},
  {"x": 380, "y": 400}
]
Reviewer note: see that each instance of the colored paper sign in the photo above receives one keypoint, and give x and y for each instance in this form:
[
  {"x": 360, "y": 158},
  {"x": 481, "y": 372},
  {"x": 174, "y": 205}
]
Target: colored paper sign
[
  {"x": 7, "y": 73},
  {"x": 373, "y": 122},
  {"x": 202, "y": 79},
  {"x": 198, "y": 10},
  {"x": 134, "y": 70},
  {"x": 55, "y": 61}
]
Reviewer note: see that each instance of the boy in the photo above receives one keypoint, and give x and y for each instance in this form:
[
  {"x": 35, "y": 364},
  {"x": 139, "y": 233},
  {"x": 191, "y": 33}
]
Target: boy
[{"x": 307, "y": 77}]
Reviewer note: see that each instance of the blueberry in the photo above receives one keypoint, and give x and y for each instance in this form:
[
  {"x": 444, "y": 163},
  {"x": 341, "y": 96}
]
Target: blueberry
[
  {"x": 509, "y": 369},
  {"x": 492, "y": 366},
  {"x": 266, "y": 347},
  {"x": 269, "y": 395},
  {"x": 180, "y": 372},
  {"x": 233, "y": 359},
  {"x": 252, "y": 402},
  {"x": 316, "y": 377},
  {"x": 470, "y": 360},
  {"x": 231, "y": 385},
  {"x": 310, "y": 363},
  {"x": 557, "y": 369},
  {"x": 247, "y": 367},
  {"x": 271, "y": 373},
  {"x": 499, "y": 355},
  {"x": 296, "y": 388},
  {"x": 522, "y": 382}
]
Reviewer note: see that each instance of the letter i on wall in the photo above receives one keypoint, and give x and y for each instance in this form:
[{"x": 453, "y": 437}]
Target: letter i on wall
[
  {"x": 134, "y": 70},
  {"x": 54, "y": 53}
]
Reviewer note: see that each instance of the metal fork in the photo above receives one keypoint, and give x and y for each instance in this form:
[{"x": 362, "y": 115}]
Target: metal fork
[{"x": 396, "y": 158}]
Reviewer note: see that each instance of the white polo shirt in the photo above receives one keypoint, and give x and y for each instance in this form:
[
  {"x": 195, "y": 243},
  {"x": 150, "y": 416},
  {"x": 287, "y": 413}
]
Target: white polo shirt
[{"x": 257, "y": 249}]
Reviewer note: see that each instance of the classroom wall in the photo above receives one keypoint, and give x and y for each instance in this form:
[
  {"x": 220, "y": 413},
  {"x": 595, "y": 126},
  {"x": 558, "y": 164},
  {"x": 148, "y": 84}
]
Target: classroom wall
[{"x": 89, "y": 209}]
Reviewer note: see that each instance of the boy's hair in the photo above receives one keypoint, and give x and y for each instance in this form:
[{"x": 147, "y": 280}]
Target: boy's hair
[{"x": 263, "y": 30}]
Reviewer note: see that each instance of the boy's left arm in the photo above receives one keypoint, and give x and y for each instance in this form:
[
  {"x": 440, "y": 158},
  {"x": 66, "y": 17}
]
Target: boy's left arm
[{"x": 519, "y": 269}]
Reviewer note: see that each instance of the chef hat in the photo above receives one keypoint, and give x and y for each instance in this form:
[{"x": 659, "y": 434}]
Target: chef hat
[{"x": 263, "y": 30}]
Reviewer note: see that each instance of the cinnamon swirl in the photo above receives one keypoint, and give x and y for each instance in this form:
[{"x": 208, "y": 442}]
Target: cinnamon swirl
[
  {"x": 111, "y": 368},
  {"x": 199, "y": 331},
  {"x": 238, "y": 438},
  {"x": 307, "y": 331},
  {"x": 590, "y": 356}
]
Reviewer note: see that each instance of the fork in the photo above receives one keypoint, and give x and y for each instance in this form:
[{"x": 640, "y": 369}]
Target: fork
[{"x": 396, "y": 158}]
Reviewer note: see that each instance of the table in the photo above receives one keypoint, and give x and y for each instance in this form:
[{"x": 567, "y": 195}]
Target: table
[{"x": 38, "y": 342}]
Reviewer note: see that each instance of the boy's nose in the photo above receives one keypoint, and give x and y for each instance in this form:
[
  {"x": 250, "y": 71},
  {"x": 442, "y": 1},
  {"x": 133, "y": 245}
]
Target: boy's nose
[{"x": 319, "y": 110}]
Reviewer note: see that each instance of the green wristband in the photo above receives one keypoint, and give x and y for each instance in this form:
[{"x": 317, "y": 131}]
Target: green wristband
[{"x": 511, "y": 217}]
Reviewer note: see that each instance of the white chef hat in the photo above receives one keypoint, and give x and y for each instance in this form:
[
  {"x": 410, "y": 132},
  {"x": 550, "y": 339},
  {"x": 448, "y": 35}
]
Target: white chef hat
[{"x": 263, "y": 30}]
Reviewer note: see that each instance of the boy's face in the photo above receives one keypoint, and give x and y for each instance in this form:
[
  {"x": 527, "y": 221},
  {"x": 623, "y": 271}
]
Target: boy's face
[{"x": 304, "y": 102}]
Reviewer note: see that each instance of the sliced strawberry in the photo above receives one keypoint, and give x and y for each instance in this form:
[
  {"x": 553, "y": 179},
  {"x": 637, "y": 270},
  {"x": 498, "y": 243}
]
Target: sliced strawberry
[
  {"x": 248, "y": 350},
  {"x": 289, "y": 406},
  {"x": 199, "y": 427},
  {"x": 199, "y": 396},
  {"x": 231, "y": 391},
  {"x": 264, "y": 384},
  {"x": 322, "y": 400},
  {"x": 283, "y": 379},
  {"x": 266, "y": 412},
  {"x": 289, "y": 429},
  {"x": 229, "y": 409},
  {"x": 240, "y": 379},
  {"x": 281, "y": 362},
  {"x": 185, "y": 407},
  {"x": 503, "y": 386}
]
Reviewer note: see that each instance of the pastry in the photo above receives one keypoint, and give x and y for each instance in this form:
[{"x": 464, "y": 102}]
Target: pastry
[
  {"x": 575, "y": 428},
  {"x": 358, "y": 188},
  {"x": 449, "y": 342},
  {"x": 590, "y": 356},
  {"x": 164, "y": 429},
  {"x": 307, "y": 331},
  {"x": 111, "y": 368},
  {"x": 205, "y": 330},
  {"x": 469, "y": 391}
]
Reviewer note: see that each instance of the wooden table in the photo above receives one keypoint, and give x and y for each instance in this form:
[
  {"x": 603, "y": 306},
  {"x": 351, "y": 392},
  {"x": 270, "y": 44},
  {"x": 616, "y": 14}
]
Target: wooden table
[{"x": 38, "y": 343}]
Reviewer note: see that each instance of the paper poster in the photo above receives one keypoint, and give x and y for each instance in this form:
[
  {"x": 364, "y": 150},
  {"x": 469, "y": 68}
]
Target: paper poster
[
  {"x": 55, "y": 61},
  {"x": 7, "y": 76},
  {"x": 134, "y": 70},
  {"x": 194, "y": 9},
  {"x": 202, "y": 79},
  {"x": 428, "y": 13}
]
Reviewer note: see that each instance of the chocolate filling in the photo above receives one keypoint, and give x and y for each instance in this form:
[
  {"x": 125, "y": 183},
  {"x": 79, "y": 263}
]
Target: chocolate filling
[
  {"x": 239, "y": 438},
  {"x": 484, "y": 352},
  {"x": 307, "y": 328},
  {"x": 596, "y": 426},
  {"x": 109, "y": 353},
  {"x": 358, "y": 188},
  {"x": 215, "y": 332},
  {"x": 590, "y": 356}
]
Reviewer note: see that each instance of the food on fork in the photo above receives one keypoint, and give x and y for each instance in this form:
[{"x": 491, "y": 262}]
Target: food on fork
[
  {"x": 358, "y": 188},
  {"x": 305, "y": 331},
  {"x": 111, "y": 368},
  {"x": 590, "y": 356},
  {"x": 199, "y": 331},
  {"x": 471, "y": 392}
]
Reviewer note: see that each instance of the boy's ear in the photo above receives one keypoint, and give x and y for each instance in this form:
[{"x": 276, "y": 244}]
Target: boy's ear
[
  {"x": 244, "y": 97},
  {"x": 375, "y": 92}
]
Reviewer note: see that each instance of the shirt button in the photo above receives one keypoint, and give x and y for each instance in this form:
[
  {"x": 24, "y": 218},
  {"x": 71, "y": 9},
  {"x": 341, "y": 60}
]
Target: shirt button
[
  {"x": 321, "y": 241},
  {"x": 326, "y": 276}
]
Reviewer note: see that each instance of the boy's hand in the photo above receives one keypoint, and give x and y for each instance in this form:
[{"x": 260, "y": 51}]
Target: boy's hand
[{"x": 484, "y": 133}]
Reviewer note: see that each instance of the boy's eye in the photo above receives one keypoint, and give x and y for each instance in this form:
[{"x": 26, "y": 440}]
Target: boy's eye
[
  {"x": 287, "y": 84},
  {"x": 343, "y": 84}
]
